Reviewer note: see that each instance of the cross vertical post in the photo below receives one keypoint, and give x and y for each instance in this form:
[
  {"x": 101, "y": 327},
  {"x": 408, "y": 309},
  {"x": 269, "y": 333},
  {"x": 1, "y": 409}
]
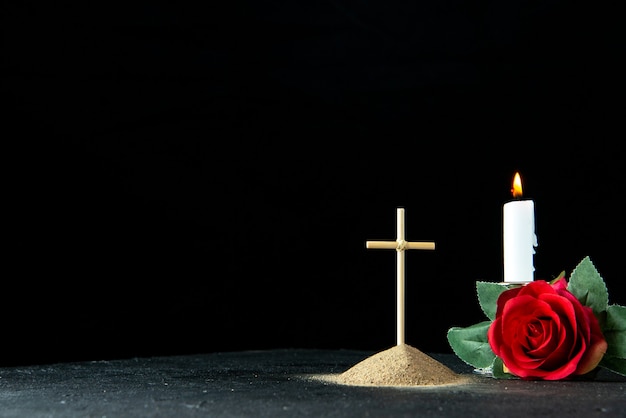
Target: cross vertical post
[
  {"x": 400, "y": 277},
  {"x": 400, "y": 245}
]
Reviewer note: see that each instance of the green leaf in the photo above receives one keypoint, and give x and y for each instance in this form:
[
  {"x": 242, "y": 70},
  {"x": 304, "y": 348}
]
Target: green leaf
[
  {"x": 588, "y": 286},
  {"x": 488, "y": 293},
  {"x": 615, "y": 331},
  {"x": 470, "y": 344},
  {"x": 498, "y": 370},
  {"x": 617, "y": 365}
]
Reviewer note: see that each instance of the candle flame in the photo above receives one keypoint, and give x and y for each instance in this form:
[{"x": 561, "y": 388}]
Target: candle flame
[{"x": 517, "y": 186}]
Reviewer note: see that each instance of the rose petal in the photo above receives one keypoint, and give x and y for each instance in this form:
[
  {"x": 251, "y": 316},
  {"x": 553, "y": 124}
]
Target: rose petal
[
  {"x": 560, "y": 285},
  {"x": 504, "y": 298},
  {"x": 597, "y": 347},
  {"x": 592, "y": 357},
  {"x": 537, "y": 288}
]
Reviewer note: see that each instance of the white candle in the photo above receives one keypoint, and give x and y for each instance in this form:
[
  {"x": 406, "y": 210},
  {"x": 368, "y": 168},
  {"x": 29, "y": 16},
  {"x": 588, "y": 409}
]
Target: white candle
[{"x": 519, "y": 239}]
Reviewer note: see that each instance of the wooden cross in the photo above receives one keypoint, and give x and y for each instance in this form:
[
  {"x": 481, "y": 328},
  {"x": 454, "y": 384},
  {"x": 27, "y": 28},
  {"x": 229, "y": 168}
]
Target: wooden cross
[{"x": 400, "y": 245}]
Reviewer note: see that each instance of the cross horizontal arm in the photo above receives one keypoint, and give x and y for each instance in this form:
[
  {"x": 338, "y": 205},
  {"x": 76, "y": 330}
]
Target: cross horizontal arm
[{"x": 394, "y": 244}]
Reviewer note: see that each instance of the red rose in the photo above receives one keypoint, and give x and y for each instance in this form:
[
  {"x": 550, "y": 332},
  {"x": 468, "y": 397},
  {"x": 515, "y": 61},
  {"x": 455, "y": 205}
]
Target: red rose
[{"x": 542, "y": 331}]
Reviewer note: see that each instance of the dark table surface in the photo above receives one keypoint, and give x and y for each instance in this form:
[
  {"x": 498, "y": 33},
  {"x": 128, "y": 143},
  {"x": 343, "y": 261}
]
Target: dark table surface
[{"x": 283, "y": 382}]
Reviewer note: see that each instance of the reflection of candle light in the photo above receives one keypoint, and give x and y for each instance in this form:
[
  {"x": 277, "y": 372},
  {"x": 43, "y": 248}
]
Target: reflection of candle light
[{"x": 519, "y": 239}]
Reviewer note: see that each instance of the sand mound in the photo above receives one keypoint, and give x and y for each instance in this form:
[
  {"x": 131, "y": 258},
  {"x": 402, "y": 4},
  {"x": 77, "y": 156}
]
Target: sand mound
[{"x": 401, "y": 365}]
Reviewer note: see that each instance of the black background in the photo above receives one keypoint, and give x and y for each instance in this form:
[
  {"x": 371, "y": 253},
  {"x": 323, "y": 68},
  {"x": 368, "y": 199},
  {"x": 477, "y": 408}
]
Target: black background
[{"x": 184, "y": 178}]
